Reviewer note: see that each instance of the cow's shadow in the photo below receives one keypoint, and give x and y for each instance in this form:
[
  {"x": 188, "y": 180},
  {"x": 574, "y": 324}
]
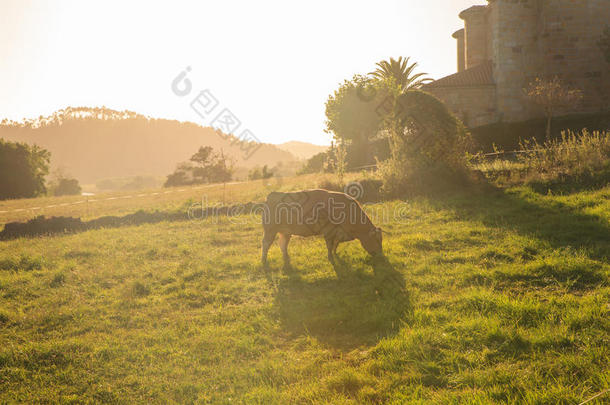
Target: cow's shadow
[{"x": 352, "y": 310}]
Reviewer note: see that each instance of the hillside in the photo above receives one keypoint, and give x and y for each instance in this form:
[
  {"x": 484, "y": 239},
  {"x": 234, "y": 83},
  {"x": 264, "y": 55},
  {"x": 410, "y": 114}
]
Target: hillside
[
  {"x": 484, "y": 298},
  {"x": 302, "y": 150},
  {"x": 97, "y": 143}
]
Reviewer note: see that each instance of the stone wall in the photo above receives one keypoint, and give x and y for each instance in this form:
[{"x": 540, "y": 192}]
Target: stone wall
[
  {"x": 475, "y": 30},
  {"x": 514, "y": 30},
  {"x": 546, "y": 38},
  {"x": 526, "y": 39},
  {"x": 461, "y": 50},
  {"x": 569, "y": 31},
  {"x": 474, "y": 105}
]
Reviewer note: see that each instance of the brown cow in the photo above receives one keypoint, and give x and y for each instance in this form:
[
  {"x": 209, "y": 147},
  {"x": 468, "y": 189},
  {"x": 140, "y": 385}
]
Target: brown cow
[{"x": 336, "y": 216}]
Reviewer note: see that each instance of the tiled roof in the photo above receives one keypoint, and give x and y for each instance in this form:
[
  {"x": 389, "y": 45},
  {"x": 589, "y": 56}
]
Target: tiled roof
[{"x": 481, "y": 75}]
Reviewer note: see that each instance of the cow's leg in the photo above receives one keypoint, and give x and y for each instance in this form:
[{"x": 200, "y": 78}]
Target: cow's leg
[
  {"x": 284, "y": 239},
  {"x": 335, "y": 246},
  {"x": 268, "y": 238},
  {"x": 330, "y": 242}
]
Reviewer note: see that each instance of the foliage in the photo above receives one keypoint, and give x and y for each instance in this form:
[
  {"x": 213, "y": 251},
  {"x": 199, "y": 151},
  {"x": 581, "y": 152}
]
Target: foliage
[
  {"x": 353, "y": 117},
  {"x": 23, "y": 168},
  {"x": 484, "y": 298},
  {"x": 551, "y": 95},
  {"x": 204, "y": 156},
  {"x": 178, "y": 178},
  {"x": 315, "y": 164},
  {"x": 425, "y": 138},
  {"x": 401, "y": 73},
  {"x": 66, "y": 186},
  {"x": 128, "y": 183},
  {"x": 357, "y": 110},
  {"x": 63, "y": 184},
  {"x": 604, "y": 44},
  {"x": 257, "y": 173},
  {"x": 417, "y": 130},
  {"x": 205, "y": 166}
]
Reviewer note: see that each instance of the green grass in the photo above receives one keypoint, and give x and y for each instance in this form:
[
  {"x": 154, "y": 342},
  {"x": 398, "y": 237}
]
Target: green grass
[
  {"x": 485, "y": 298},
  {"x": 574, "y": 162}
]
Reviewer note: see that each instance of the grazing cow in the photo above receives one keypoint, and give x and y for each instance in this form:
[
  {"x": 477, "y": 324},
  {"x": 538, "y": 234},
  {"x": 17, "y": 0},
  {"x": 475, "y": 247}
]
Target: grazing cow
[{"x": 336, "y": 216}]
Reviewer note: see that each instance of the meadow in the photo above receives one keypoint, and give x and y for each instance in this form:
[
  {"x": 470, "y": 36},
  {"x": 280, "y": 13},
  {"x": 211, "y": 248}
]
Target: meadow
[{"x": 485, "y": 296}]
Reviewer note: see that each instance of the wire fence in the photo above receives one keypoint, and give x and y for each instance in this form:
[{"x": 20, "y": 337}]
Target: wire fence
[{"x": 486, "y": 155}]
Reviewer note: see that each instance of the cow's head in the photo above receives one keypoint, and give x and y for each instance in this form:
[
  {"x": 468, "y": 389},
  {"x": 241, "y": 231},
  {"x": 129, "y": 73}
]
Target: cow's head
[{"x": 372, "y": 241}]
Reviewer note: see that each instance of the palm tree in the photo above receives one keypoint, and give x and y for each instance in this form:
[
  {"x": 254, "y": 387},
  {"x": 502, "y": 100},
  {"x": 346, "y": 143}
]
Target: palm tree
[{"x": 401, "y": 72}]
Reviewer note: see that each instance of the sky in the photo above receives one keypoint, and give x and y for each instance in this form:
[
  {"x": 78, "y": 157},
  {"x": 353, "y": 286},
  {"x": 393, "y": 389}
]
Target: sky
[{"x": 273, "y": 64}]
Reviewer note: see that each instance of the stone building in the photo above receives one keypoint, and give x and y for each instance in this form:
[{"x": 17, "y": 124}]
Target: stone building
[{"x": 506, "y": 44}]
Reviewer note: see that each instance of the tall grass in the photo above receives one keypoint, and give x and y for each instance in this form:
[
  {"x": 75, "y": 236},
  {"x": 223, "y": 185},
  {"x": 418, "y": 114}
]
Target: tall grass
[
  {"x": 573, "y": 155},
  {"x": 576, "y": 160}
]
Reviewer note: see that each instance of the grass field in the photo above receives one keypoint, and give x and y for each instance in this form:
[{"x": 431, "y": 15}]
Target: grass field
[
  {"x": 165, "y": 199},
  {"x": 484, "y": 298}
]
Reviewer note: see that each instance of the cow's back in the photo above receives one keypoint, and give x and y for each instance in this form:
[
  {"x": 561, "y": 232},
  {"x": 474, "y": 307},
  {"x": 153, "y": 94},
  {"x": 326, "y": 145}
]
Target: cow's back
[{"x": 312, "y": 212}]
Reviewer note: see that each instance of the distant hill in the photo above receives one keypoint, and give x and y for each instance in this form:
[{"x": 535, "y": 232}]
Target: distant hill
[
  {"x": 302, "y": 150},
  {"x": 99, "y": 143}
]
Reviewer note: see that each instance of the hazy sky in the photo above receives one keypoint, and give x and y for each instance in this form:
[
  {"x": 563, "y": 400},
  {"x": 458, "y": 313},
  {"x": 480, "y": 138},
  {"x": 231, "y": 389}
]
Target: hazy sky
[{"x": 272, "y": 63}]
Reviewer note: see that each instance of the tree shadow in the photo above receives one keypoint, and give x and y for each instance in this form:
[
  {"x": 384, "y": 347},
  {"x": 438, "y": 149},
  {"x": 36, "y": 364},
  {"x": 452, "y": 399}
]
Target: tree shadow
[
  {"x": 531, "y": 214},
  {"x": 566, "y": 184},
  {"x": 355, "y": 309}
]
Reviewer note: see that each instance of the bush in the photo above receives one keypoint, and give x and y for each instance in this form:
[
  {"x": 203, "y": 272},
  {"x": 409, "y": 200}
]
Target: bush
[
  {"x": 427, "y": 143},
  {"x": 41, "y": 226},
  {"x": 128, "y": 183},
  {"x": 330, "y": 184},
  {"x": 66, "y": 186},
  {"x": 401, "y": 179},
  {"x": 178, "y": 178}
]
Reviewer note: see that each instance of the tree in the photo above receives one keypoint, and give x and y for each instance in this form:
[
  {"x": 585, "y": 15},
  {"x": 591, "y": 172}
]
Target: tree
[
  {"x": 358, "y": 110},
  {"x": 257, "y": 173},
  {"x": 401, "y": 73},
  {"x": 604, "y": 43},
  {"x": 23, "y": 168},
  {"x": 265, "y": 173},
  {"x": 204, "y": 159},
  {"x": 221, "y": 169},
  {"x": 316, "y": 163},
  {"x": 205, "y": 166},
  {"x": 203, "y": 156},
  {"x": 353, "y": 116},
  {"x": 551, "y": 95}
]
